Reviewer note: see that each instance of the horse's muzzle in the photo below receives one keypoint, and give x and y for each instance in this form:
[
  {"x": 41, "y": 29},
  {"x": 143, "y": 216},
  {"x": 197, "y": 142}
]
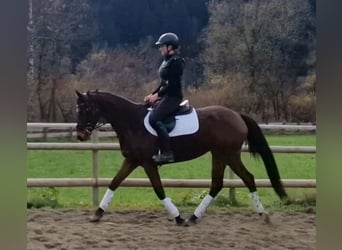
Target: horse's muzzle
[{"x": 83, "y": 135}]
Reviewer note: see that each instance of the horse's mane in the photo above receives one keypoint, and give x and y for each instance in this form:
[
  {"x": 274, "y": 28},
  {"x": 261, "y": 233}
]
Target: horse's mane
[{"x": 110, "y": 96}]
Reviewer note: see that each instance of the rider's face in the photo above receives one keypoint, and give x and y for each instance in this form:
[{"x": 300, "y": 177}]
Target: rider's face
[{"x": 164, "y": 50}]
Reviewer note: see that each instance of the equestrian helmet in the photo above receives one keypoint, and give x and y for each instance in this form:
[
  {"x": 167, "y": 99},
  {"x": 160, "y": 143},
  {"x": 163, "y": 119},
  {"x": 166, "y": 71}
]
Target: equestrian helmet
[{"x": 168, "y": 39}]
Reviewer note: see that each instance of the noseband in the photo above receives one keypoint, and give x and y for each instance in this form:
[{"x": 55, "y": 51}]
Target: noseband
[{"x": 89, "y": 127}]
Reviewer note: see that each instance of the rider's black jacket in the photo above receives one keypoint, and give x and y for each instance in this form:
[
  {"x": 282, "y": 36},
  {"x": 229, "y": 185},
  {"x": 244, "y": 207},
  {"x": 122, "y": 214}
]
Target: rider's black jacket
[{"x": 170, "y": 73}]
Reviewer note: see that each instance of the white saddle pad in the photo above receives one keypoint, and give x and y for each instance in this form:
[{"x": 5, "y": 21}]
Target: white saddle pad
[{"x": 185, "y": 124}]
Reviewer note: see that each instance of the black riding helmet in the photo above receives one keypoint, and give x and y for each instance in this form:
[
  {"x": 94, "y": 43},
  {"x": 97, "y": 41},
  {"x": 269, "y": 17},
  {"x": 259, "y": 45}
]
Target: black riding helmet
[{"x": 168, "y": 39}]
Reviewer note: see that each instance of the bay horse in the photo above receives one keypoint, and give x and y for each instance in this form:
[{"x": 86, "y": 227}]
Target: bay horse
[{"x": 221, "y": 131}]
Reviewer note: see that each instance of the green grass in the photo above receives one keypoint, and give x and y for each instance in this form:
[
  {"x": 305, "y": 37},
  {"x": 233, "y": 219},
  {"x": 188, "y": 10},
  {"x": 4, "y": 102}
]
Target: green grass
[{"x": 68, "y": 164}]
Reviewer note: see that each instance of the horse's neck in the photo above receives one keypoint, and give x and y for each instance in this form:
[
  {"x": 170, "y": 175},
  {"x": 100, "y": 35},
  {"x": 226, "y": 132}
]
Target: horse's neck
[{"x": 122, "y": 114}]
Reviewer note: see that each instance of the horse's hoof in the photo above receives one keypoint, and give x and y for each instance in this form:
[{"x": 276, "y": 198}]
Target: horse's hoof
[
  {"x": 179, "y": 220},
  {"x": 97, "y": 216},
  {"x": 94, "y": 218},
  {"x": 191, "y": 221},
  {"x": 266, "y": 217}
]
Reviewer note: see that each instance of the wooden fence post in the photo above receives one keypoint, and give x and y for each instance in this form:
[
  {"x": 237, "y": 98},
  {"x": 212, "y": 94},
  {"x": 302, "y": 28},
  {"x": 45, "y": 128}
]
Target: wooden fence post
[
  {"x": 95, "y": 154},
  {"x": 45, "y": 133},
  {"x": 232, "y": 194},
  {"x": 71, "y": 133}
]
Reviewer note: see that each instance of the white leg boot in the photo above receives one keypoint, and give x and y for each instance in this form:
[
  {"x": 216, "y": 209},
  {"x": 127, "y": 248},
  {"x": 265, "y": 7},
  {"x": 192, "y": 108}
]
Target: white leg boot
[{"x": 259, "y": 207}]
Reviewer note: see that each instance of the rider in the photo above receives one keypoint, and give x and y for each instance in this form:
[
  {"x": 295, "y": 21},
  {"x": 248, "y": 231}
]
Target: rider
[{"x": 168, "y": 94}]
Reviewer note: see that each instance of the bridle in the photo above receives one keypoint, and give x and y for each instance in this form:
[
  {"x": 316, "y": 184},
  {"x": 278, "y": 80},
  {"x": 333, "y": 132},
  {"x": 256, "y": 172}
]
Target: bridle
[
  {"x": 99, "y": 125},
  {"x": 88, "y": 126}
]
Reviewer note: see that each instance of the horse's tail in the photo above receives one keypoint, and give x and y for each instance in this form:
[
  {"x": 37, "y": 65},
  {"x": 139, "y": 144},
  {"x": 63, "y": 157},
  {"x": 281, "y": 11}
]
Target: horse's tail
[{"x": 257, "y": 144}]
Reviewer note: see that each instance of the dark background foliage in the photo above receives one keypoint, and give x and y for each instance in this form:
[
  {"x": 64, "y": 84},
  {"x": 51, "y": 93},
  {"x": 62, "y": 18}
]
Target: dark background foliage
[{"x": 255, "y": 56}]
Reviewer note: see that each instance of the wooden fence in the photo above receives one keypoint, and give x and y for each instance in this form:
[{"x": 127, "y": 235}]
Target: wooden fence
[{"x": 95, "y": 182}]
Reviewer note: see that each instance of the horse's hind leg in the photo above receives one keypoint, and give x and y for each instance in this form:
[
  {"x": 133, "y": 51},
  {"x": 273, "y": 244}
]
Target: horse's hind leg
[
  {"x": 217, "y": 174},
  {"x": 235, "y": 163}
]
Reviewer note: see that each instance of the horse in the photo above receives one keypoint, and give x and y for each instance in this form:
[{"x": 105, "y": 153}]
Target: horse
[{"x": 221, "y": 131}]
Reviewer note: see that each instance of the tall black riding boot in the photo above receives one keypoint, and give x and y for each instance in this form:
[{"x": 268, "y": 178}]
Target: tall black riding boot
[{"x": 166, "y": 155}]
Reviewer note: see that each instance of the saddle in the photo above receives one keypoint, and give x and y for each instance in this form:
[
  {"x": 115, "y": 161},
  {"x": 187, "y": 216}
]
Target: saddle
[
  {"x": 184, "y": 109},
  {"x": 186, "y": 117}
]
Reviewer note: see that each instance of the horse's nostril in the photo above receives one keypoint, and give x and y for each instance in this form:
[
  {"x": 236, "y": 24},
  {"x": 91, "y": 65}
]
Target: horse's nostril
[{"x": 80, "y": 136}]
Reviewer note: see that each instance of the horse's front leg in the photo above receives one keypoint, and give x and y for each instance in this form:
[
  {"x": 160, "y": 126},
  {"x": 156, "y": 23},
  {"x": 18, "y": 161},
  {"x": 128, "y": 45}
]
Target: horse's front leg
[
  {"x": 127, "y": 167},
  {"x": 153, "y": 174}
]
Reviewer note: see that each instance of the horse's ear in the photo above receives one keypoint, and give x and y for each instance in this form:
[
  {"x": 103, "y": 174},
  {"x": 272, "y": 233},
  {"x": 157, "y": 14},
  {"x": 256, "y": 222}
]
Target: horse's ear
[{"x": 78, "y": 94}]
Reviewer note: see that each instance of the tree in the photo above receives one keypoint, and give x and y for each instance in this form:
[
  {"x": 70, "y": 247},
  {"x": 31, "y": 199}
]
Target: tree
[
  {"x": 56, "y": 29},
  {"x": 266, "y": 42},
  {"x": 62, "y": 32}
]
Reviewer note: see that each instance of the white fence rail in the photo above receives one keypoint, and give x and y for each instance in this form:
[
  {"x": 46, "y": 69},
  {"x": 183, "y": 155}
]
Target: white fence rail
[
  {"x": 34, "y": 126},
  {"x": 95, "y": 182},
  {"x": 143, "y": 182},
  {"x": 116, "y": 146},
  {"x": 53, "y": 130}
]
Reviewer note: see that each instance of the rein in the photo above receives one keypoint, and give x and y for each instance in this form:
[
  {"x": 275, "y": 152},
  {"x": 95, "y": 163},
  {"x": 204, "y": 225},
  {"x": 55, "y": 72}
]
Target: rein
[
  {"x": 89, "y": 128},
  {"x": 99, "y": 125}
]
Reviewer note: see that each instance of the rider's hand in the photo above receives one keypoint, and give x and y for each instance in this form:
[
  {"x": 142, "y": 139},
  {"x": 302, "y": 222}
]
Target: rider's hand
[
  {"x": 154, "y": 98},
  {"x": 147, "y": 98}
]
